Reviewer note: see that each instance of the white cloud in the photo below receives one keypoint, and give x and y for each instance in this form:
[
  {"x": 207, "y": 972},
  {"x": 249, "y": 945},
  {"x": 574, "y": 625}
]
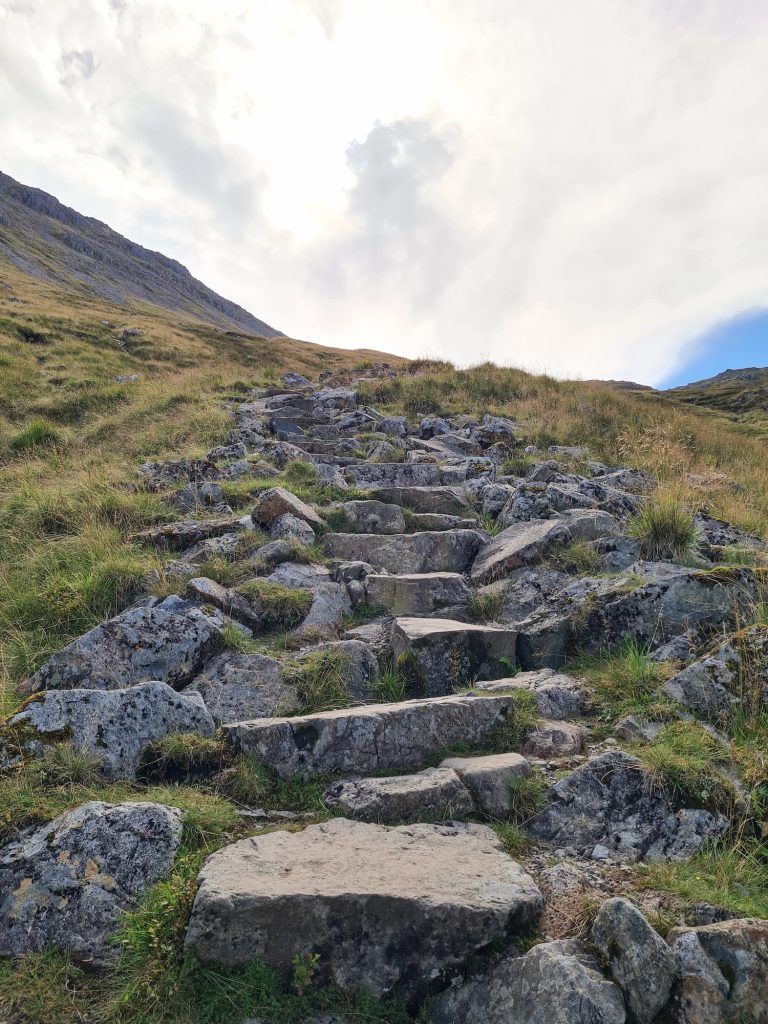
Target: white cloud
[{"x": 576, "y": 186}]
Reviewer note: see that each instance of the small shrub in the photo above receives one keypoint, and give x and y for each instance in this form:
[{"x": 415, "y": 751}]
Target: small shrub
[
  {"x": 37, "y": 434},
  {"x": 665, "y": 529}
]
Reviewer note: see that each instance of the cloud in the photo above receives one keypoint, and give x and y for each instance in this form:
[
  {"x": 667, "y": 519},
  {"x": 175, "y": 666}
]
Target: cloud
[{"x": 570, "y": 186}]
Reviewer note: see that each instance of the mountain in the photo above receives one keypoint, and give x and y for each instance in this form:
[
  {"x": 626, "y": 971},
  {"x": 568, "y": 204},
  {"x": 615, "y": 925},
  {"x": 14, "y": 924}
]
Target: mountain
[
  {"x": 735, "y": 391},
  {"x": 43, "y": 238}
]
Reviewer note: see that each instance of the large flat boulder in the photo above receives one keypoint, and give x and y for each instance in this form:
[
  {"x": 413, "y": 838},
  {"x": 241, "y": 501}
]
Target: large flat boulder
[
  {"x": 430, "y": 551},
  {"x": 554, "y": 983},
  {"x": 278, "y": 501},
  {"x": 115, "y": 725},
  {"x": 438, "y": 656},
  {"x": 609, "y": 803},
  {"x": 372, "y": 738},
  {"x": 436, "y": 794},
  {"x": 170, "y": 642},
  {"x": 527, "y": 543},
  {"x": 558, "y": 696},
  {"x": 417, "y": 593},
  {"x": 395, "y": 910},
  {"x": 374, "y": 517},
  {"x": 65, "y": 884},
  {"x": 450, "y": 501}
]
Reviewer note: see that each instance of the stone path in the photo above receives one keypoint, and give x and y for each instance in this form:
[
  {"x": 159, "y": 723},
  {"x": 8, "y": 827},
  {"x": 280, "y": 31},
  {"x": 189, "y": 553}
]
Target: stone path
[{"x": 410, "y": 884}]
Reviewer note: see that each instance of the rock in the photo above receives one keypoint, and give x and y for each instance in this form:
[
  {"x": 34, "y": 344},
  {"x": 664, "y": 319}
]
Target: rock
[
  {"x": 374, "y": 517},
  {"x": 64, "y": 885},
  {"x": 526, "y": 543},
  {"x": 330, "y": 603},
  {"x": 609, "y": 802},
  {"x": 558, "y": 696},
  {"x": 680, "y": 648},
  {"x": 448, "y": 551},
  {"x": 525, "y": 590},
  {"x": 335, "y": 399},
  {"x": 499, "y": 426},
  {"x": 272, "y": 554},
  {"x": 292, "y": 528},
  {"x": 390, "y": 909},
  {"x": 156, "y": 476},
  {"x": 439, "y": 521},
  {"x": 417, "y": 593},
  {"x": 239, "y": 687},
  {"x": 717, "y": 533},
  {"x": 554, "y": 983},
  {"x": 373, "y": 738},
  {"x": 489, "y": 779},
  {"x": 396, "y": 425},
  {"x": 197, "y": 496},
  {"x": 617, "y": 554},
  {"x": 554, "y": 739},
  {"x": 637, "y": 481},
  {"x": 223, "y": 453},
  {"x": 640, "y": 961},
  {"x": 631, "y": 729},
  {"x": 435, "y": 794},
  {"x": 186, "y": 532},
  {"x": 294, "y": 380},
  {"x": 377, "y": 475},
  {"x": 445, "y": 500},
  {"x": 440, "y": 655},
  {"x": 115, "y": 725},
  {"x": 431, "y": 426},
  {"x": 170, "y": 642},
  {"x": 277, "y": 501},
  {"x": 299, "y": 576},
  {"x": 723, "y": 970},
  {"x": 228, "y": 601}
]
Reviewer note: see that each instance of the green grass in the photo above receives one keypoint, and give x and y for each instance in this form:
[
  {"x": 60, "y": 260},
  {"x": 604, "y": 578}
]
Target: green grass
[
  {"x": 36, "y": 434},
  {"x": 181, "y": 755},
  {"x": 577, "y": 559},
  {"x": 626, "y": 681},
  {"x": 684, "y": 760},
  {"x": 322, "y": 680},
  {"x": 249, "y": 782},
  {"x": 278, "y": 607},
  {"x": 665, "y": 529},
  {"x": 485, "y": 607},
  {"x": 731, "y": 876},
  {"x": 391, "y": 687}
]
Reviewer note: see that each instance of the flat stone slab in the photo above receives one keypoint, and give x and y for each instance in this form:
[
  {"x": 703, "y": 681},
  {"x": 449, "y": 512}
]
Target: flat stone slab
[
  {"x": 490, "y": 778},
  {"x": 390, "y": 909},
  {"x": 417, "y": 593},
  {"x": 430, "y": 551},
  {"x": 374, "y": 517},
  {"x": 372, "y": 738},
  {"x": 558, "y": 696},
  {"x": 445, "y": 654},
  {"x": 526, "y": 543},
  {"x": 278, "y": 501},
  {"x": 450, "y": 501},
  {"x": 436, "y": 794}
]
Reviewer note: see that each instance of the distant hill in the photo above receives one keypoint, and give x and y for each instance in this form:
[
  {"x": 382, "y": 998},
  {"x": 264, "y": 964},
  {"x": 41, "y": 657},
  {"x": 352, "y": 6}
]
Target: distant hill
[
  {"x": 47, "y": 240},
  {"x": 736, "y": 391}
]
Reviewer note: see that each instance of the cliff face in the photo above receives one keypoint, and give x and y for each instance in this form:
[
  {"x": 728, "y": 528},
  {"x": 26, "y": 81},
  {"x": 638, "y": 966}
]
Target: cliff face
[{"x": 48, "y": 240}]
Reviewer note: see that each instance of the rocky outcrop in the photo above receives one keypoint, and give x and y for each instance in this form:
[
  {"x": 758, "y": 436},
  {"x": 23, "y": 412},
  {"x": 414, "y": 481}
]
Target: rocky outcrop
[
  {"x": 65, "y": 884},
  {"x": 391, "y": 909}
]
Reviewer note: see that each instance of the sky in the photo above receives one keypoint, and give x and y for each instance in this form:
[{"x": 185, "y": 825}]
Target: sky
[{"x": 577, "y": 187}]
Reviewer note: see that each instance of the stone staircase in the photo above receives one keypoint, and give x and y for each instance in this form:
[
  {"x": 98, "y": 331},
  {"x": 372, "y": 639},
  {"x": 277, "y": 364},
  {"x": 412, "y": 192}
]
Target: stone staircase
[{"x": 407, "y": 885}]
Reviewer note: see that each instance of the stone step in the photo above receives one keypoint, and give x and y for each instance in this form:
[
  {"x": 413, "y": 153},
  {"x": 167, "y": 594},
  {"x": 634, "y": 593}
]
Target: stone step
[
  {"x": 430, "y": 551},
  {"x": 417, "y": 593},
  {"x": 446, "y": 500},
  {"x": 402, "y": 474},
  {"x": 370, "y": 738},
  {"x": 435, "y": 794},
  {"x": 388, "y": 909},
  {"x": 444, "y": 654},
  {"x": 489, "y": 779}
]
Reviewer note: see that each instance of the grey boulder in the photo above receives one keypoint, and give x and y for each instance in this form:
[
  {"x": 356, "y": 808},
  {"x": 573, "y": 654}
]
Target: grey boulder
[
  {"x": 374, "y": 517},
  {"x": 490, "y": 779},
  {"x": 237, "y": 687},
  {"x": 435, "y": 794},
  {"x": 431, "y": 551},
  {"x": 417, "y": 593},
  {"x": 64, "y": 885}
]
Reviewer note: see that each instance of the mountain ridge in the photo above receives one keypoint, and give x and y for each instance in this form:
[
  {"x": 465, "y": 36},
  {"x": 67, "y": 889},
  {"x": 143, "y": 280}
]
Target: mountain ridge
[{"x": 44, "y": 238}]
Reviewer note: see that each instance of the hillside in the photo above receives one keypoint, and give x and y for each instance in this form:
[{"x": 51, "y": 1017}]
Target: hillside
[
  {"x": 43, "y": 238},
  {"x": 733, "y": 391}
]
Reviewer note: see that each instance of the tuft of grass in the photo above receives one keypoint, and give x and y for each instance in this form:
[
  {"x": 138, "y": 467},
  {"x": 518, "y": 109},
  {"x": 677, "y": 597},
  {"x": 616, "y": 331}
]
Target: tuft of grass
[
  {"x": 234, "y": 639},
  {"x": 485, "y": 607},
  {"x": 527, "y": 798},
  {"x": 577, "y": 559},
  {"x": 665, "y": 529},
  {"x": 182, "y": 755},
  {"x": 521, "y": 718},
  {"x": 684, "y": 760},
  {"x": 391, "y": 687},
  {"x": 279, "y": 607},
  {"x": 249, "y": 782},
  {"x": 321, "y": 681},
  {"x": 734, "y": 876},
  {"x": 300, "y": 471},
  {"x": 65, "y": 765},
  {"x": 36, "y": 434},
  {"x": 513, "y": 838},
  {"x": 626, "y": 681}
]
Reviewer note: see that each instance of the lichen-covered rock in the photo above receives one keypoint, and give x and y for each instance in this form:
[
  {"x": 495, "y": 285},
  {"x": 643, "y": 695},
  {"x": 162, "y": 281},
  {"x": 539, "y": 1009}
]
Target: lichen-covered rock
[
  {"x": 609, "y": 802},
  {"x": 431, "y": 551},
  {"x": 489, "y": 778},
  {"x": 723, "y": 972},
  {"x": 437, "y": 656},
  {"x": 554, "y": 983},
  {"x": 115, "y": 725},
  {"x": 554, "y": 739},
  {"x": 229, "y": 601},
  {"x": 299, "y": 576},
  {"x": 330, "y": 603},
  {"x": 417, "y": 593},
  {"x": 558, "y": 696},
  {"x": 169, "y": 641},
  {"x": 238, "y": 687},
  {"x": 157, "y": 476},
  {"x": 435, "y": 794},
  {"x": 64, "y": 885},
  {"x": 448, "y": 500},
  {"x": 373, "y": 738},
  {"x": 390, "y": 909},
  {"x": 183, "y": 534},
  {"x": 292, "y": 528},
  {"x": 374, "y": 517},
  {"x": 277, "y": 501},
  {"x": 640, "y": 961}
]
